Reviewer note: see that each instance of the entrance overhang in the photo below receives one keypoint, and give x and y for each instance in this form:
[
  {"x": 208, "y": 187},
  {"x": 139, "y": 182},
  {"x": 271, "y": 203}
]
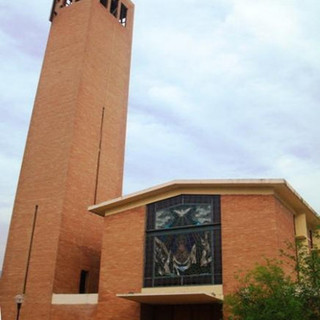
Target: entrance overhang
[{"x": 171, "y": 298}]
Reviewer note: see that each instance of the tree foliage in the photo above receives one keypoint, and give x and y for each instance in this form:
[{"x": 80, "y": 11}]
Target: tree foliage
[
  {"x": 308, "y": 284},
  {"x": 267, "y": 293}
]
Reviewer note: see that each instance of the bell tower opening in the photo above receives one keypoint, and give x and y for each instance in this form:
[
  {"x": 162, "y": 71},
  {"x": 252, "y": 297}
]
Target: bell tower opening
[
  {"x": 123, "y": 15},
  {"x": 104, "y": 3}
]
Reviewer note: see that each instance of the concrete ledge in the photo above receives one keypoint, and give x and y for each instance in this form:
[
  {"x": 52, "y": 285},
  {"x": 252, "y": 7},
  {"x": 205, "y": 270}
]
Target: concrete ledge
[
  {"x": 216, "y": 290},
  {"x": 68, "y": 299},
  {"x": 171, "y": 298}
]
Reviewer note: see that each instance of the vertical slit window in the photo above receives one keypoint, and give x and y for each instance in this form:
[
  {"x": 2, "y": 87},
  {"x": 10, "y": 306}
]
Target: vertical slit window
[
  {"x": 104, "y": 3},
  {"x": 83, "y": 285},
  {"x": 123, "y": 15},
  {"x": 114, "y": 7}
]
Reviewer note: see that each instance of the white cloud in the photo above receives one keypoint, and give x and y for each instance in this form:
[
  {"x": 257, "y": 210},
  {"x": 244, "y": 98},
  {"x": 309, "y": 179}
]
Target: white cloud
[
  {"x": 248, "y": 76},
  {"x": 271, "y": 21}
]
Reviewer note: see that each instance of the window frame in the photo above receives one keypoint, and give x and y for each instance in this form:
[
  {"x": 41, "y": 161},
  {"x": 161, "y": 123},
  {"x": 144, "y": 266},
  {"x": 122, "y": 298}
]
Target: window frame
[{"x": 213, "y": 228}]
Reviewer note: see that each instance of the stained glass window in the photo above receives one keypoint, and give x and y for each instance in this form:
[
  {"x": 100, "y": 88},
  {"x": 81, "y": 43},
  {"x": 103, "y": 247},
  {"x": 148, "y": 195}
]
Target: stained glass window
[
  {"x": 183, "y": 215},
  {"x": 183, "y": 241}
]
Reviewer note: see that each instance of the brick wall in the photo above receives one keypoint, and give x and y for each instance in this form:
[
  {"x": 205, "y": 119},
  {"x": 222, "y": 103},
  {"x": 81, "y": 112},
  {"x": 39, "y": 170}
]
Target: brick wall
[
  {"x": 74, "y": 312},
  {"x": 254, "y": 227},
  {"x": 86, "y": 69},
  {"x": 122, "y": 264}
]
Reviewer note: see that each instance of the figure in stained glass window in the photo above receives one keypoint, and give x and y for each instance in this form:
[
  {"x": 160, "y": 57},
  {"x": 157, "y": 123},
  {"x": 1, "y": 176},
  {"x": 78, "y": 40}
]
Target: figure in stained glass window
[
  {"x": 182, "y": 254},
  {"x": 183, "y": 245}
]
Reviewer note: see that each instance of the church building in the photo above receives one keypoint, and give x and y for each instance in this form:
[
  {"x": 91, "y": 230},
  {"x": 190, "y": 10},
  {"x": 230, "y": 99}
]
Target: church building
[{"x": 77, "y": 248}]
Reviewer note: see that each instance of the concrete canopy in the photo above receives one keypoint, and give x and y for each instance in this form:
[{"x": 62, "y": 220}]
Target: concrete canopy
[{"x": 171, "y": 298}]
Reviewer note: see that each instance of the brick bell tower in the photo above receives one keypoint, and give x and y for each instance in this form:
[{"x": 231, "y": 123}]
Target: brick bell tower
[{"x": 73, "y": 157}]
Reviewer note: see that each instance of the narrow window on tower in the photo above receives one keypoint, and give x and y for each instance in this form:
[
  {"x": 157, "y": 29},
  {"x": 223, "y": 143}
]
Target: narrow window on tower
[
  {"x": 104, "y": 3},
  {"x": 114, "y": 7},
  {"x": 83, "y": 285},
  {"x": 123, "y": 15}
]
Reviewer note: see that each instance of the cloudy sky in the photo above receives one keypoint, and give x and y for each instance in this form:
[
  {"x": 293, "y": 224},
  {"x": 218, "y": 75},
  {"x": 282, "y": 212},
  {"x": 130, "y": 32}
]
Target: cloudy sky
[{"x": 219, "y": 89}]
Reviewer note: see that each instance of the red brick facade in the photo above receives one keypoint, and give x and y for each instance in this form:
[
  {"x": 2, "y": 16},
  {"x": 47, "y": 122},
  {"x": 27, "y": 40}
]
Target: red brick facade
[
  {"x": 74, "y": 157},
  {"x": 122, "y": 264},
  {"x": 79, "y": 312},
  {"x": 254, "y": 227}
]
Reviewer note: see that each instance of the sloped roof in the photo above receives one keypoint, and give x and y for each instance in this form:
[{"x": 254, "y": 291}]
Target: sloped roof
[{"x": 278, "y": 187}]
